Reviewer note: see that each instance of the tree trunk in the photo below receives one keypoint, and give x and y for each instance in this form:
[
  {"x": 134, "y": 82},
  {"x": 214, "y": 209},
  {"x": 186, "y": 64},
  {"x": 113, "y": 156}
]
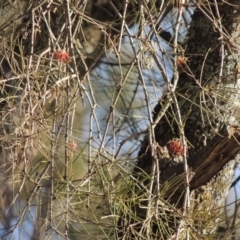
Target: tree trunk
[{"x": 208, "y": 102}]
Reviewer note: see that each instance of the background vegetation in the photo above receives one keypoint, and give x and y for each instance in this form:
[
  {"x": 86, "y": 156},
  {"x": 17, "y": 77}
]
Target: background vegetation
[{"x": 119, "y": 119}]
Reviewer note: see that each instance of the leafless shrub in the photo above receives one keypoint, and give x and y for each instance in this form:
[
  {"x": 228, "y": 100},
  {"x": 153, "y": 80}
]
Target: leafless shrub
[{"x": 80, "y": 81}]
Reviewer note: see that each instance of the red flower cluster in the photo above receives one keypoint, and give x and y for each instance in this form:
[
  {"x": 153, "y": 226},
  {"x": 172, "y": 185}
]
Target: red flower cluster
[
  {"x": 175, "y": 147},
  {"x": 181, "y": 61},
  {"x": 62, "y": 56},
  {"x": 72, "y": 146}
]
